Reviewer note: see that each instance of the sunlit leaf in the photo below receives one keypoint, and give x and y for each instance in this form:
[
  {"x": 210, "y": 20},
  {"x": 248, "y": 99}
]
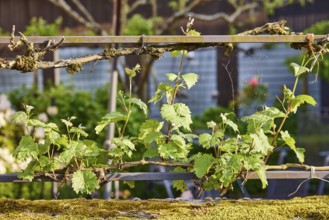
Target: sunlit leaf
[
  {"x": 263, "y": 119},
  {"x": 261, "y": 143},
  {"x": 178, "y": 114},
  {"x": 150, "y": 131},
  {"x": 299, "y": 70},
  {"x": 84, "y": 182},
  {"x": 190, "y": 79},
  {"x": 162, "y": 90},
  {"x": 19, "y": 117},
  {"x": 28, "y": 172},
  {"x": 211, "y": 124},
  {"x": 300, "y": 99},
  {"x": 140, "y": 104},
  {"x": 35, "y": 123},
  {"x": 67, "y": 123},
  {"x": 174, "y": 53},
  {"x": 26, "y": 149},
  {"x": 168, "y": 150},
  {"x": 228, "y": 122},
  {"x": 261, "y": 172},
  {"x": 78, "y": 131},
  {"x": 291, "y": 143},
  {"x": 171, "y": 76},
  {"x": 109, "y": 118},
  {"x": 205, "y": 140}
]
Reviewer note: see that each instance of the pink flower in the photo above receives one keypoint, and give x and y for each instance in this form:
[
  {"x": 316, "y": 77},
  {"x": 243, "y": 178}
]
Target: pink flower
[{"x": 253, "y": 81}]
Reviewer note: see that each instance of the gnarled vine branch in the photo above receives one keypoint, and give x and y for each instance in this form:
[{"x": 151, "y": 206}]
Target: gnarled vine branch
[{"x": 32, "y": 59}]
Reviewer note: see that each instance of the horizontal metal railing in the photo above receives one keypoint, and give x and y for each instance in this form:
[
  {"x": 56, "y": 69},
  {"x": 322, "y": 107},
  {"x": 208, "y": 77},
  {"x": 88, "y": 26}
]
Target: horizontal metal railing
[{"x": 151, "y": 176}]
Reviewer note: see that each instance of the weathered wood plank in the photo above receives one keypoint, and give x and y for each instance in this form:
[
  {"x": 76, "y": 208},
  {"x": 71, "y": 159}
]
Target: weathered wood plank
[{"x": 169, "y": 39}]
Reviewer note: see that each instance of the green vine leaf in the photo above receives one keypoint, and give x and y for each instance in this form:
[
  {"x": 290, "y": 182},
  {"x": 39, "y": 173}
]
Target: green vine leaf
[
  {"x": 90, "y": 149},
  {"x": 68, "y": 122},
  {"x": 288, "y": 95},
  {"x": 175, "y": 149},
  {"x": 51, "y": 126},
  {"x": 132, "y": 72},
  {"x": 174, "y": 53},
  {"x": 180, "y": 185},
  {"x": 262, "y": 119},
  {"x": 28, "y": 172},
  {"x": 178, "y": 141},
  {"x": 211, "y": 124},
  {"x": 171, "y": 76},
  {"x": 129, "y": 183},
  {"x": 78, "y": 131},
  {"x": 229, "y": 145},
  {"x": 190, "y": 79},
  {"x": 299, "y": 70},
  {"x": 202, "y": 164},
  {"x": 261, "y": 172},
  {"x": 26, "y": 149},
  {"x": 121, "y": 146},
  {"x": 71, "y": 151},
  {"x": 163, "y": 89},
  {"x": 291, "y": 143},
  {"x": 205, "y": 140},
  {"x": 109, "y": 118},
  {"x": 188, "y": 137},
  {"x": 178, "y": 114},
  {"x": 45, "y": 163},
  {"x": 300, "y": 99},
  {"x": 140, "y": 104},
  {"x": 84, "y": 182},
  {"x": 19, "y": 117},
  {"x": 151, "y": 152},
  {"x": 231, "y": 164},
  {"x": 150, "y": 131},
  {"x": 61, "y": 141},
  {"x": 260, "y": 143},
  {"x": 53, "y": 136},
  {"x": 253, "y": 161},
  {"x": 168, "y": 150},
  {"x": 35, "y": 123},
  {"x": 229, "y": 122}
]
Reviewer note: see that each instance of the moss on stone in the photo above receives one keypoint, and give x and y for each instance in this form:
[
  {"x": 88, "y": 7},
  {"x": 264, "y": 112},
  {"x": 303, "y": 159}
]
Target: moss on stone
[{"x": 315, "y": 207}]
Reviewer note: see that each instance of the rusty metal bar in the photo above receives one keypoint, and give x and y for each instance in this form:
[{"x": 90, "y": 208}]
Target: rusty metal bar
[
  {"x": 148, "y": 176},
  {"x": 82, "y": 40}
]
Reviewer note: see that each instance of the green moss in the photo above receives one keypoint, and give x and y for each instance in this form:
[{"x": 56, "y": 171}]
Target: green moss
[
  {"x": 74, "y": 68},
  {"x": 25, "y": 64},
  {"x": 315, "y": 207}
]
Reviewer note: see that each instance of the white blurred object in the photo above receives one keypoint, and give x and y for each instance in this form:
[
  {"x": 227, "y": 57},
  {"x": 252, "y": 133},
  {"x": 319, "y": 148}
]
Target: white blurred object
[
  {"x": 43, "y": 117},
  {"x": 4, "y": 103},
  {"x": 52, "y": 110},
  {"x": 187, "y": 194}
]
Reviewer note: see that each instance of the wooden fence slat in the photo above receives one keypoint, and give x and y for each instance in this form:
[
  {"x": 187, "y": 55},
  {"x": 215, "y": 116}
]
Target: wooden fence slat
[{"x": 169, "y": 39}]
